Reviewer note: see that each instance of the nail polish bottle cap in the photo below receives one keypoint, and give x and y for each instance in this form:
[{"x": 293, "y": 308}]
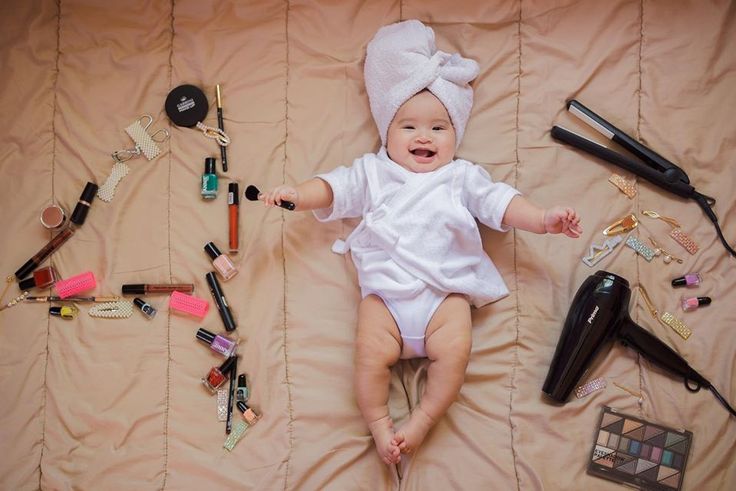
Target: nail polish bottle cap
[
  {"x": 242, "y": 406},
  {"x": 704, "y": 300},
  {"x": 139, "y": 302},
  {"x": 228, "y": 364},
  {"x": 241, "y": 380},
  {"x": 134, "y": 289},
  {"x": 210, "y": 165},
  {"x": 232, "y": 190},
  {"x": 85, "y": 201},
  {"x": 205, "y": 335},
  {"x": 27, "y": 284},
  {"x": 211, "y": 249}
]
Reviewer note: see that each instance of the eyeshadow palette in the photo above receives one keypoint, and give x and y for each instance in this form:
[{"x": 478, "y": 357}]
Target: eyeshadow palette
[{"x": 636, "y": 452}]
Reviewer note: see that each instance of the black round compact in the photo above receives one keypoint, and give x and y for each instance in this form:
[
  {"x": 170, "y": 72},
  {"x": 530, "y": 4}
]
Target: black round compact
[{"x": 186, "y": 105}]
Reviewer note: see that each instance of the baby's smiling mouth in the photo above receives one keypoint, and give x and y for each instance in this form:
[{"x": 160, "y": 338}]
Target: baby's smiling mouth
[{"x": 423, "y": 152}]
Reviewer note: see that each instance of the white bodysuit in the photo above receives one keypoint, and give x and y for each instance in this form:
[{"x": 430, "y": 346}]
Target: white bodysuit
[{"x": 418, "y": 241}]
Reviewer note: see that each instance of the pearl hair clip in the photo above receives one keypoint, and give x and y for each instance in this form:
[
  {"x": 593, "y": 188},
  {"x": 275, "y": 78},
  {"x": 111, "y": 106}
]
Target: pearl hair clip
[{"x": 145, "y": 143}]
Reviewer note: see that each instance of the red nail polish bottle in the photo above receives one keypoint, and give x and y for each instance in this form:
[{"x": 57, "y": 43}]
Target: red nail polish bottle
[{"x": 217, "y": 375}]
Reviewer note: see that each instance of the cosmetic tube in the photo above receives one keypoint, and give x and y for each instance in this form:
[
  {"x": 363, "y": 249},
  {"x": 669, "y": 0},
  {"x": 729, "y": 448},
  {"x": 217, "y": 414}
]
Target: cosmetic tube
[
  {"x": 144, "y": 289},
  {"x": 222, "y": 307},
  {"x": 242, "y": 393},
  {"x": 233, "y": 204}
]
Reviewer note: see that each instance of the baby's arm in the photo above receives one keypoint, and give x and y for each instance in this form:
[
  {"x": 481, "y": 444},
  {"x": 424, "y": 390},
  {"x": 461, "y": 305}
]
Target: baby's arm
[
  {"x": 522, "y": 213},
  {"x": 313, "y": 194}
]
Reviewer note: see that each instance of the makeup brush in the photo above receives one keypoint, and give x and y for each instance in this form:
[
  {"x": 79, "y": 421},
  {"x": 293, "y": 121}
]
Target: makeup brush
[{"x": 252, "y": 194}]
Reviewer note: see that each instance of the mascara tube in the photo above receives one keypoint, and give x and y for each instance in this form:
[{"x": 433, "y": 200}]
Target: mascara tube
[{"x": 222, "y": 307}]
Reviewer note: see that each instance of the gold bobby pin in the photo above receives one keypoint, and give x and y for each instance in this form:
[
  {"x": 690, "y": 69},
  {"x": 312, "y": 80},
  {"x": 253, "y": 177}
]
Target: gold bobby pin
[
  {"x": 676, "y": 233},
  {"x": 667, "y": 257},
  {"x": 626, "y": 224}
]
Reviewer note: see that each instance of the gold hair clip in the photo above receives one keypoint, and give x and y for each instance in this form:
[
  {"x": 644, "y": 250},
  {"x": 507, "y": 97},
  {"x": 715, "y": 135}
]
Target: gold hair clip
[
  {"x": 667, "y": 257},
  {"x": 676, "y": 233},
  {"x": 622, "y": 226},
  {"x": 625, "y": 186}
]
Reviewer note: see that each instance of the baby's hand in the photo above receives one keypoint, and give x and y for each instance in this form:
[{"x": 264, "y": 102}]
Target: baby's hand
[
  {"x": 565, "y": 220},
  {"x": 279, "y": 193}
]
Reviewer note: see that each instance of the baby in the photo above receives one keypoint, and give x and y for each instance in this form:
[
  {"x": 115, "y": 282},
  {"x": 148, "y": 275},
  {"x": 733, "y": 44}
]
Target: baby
[{"x": 418, "y": 251}]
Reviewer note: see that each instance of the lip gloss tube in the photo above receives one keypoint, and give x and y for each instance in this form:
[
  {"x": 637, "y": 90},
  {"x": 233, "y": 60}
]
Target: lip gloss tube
[
  {"x": 143, "y": 288},
  {"x": 78, "y": 216},
  {"x": 233, "y": 205}
]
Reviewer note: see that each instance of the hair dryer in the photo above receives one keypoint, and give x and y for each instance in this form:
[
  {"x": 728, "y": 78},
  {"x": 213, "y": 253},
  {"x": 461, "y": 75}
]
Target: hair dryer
[{"x": 600, "y": 313}]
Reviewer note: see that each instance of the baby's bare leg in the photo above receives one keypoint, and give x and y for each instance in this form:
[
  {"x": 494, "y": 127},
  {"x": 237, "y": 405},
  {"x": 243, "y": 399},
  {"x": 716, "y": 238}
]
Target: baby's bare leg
[
  {"x": 448, "y": 343},
  {"x": 377, "y": 348}
]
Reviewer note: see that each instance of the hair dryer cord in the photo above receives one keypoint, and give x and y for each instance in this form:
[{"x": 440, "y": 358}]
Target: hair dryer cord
[{"x": 708, "y": 385}]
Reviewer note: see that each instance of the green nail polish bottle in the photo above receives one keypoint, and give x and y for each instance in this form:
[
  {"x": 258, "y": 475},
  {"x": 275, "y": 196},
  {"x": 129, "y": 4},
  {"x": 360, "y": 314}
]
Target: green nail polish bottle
[{"x": 209, "y": 179}]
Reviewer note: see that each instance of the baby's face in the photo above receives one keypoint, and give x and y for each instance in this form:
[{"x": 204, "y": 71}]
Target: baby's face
[{"x": 421, "y": 137}]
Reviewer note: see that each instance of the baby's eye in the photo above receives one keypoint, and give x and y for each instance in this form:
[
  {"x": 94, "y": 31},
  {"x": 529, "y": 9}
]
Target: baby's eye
[
  {"x": 438, "y": 128},
  {"x": 408, "y": 127}
]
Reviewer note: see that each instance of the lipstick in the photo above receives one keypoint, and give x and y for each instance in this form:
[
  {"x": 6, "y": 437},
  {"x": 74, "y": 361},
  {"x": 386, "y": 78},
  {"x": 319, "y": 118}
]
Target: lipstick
[
  {"x": 145, "y": 288},
  {"x": 233, "y": 205},
  {"x": 78, "y": 217},
  {"x": 222, "y": 307}
]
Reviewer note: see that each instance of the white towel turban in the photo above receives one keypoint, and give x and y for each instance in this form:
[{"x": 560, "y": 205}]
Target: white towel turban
[{"x": 402, "y": 60}]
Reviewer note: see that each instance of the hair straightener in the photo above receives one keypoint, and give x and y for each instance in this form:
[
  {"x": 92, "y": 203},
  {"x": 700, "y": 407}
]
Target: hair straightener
[{"x": 652, "y": 167}]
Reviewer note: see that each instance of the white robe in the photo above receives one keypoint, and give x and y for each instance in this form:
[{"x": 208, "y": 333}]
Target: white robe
[{"x": 419, "y": 228}]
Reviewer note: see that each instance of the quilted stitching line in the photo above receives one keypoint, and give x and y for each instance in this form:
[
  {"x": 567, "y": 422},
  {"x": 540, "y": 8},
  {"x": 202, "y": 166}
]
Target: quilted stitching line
[
  {"x": 290, "y": 424},
  {"x": 168, "y": 232},
  {"x": 51, "y": 260},
  {"x": 517, "y": 323}
]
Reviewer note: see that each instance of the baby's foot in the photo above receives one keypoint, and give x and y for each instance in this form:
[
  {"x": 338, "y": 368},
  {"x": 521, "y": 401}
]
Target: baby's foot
[
  {"x": 412, "y": 434},
  {"x": 383, "y": 434}
]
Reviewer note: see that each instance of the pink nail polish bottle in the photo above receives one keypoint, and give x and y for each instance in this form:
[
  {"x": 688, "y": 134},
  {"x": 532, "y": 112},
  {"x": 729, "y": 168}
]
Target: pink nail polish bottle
[
  {"x": 220, "y": 261},
  {"x": 692, "y": 303}
]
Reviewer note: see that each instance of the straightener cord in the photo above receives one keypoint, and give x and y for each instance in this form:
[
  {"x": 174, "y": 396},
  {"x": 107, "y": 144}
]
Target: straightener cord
[{"x": 702, "y": 200}]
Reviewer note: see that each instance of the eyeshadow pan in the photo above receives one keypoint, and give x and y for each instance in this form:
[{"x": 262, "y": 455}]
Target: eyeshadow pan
[
  {"x": 656, "y": 454},
  {"x": 613, "y": 440},
  {"x": 624, "y": 444},
  {"x": 634, "y": 447},
  {"x": 645, "y": 451},
  {"x": 602, "y": 438},
  {"x": 667, "y": 458}
]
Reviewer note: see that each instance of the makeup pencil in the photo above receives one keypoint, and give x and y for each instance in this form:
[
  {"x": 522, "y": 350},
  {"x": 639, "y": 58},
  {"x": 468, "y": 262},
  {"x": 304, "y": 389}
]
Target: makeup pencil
[
  {"x": 221, "y": 125},
  {"x": 230, "y": 402}
]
